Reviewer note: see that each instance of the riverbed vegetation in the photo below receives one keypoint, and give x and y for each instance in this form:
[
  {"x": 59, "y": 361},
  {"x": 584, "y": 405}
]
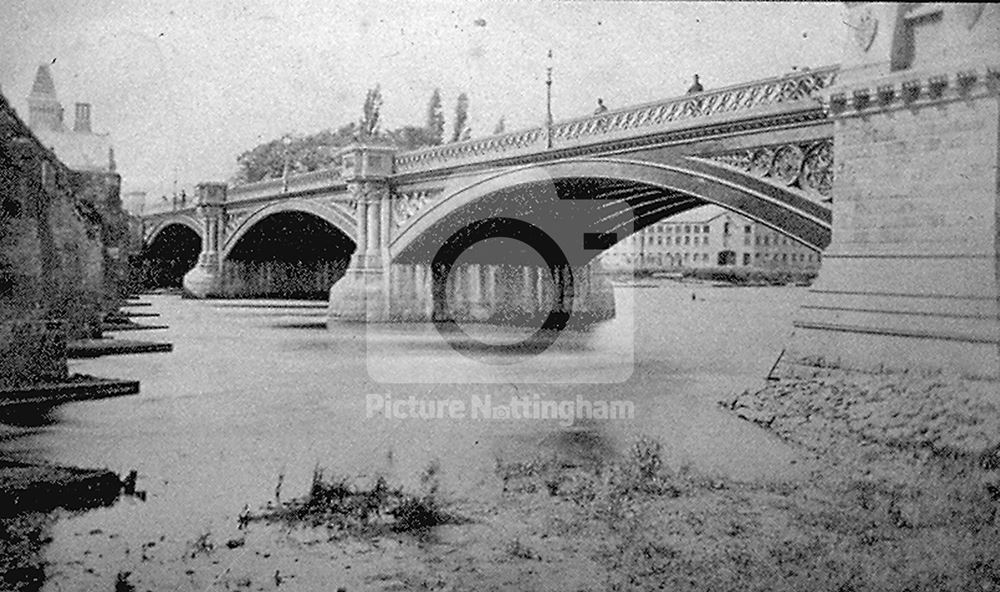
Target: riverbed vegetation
[{"x": 350, "y": 507}]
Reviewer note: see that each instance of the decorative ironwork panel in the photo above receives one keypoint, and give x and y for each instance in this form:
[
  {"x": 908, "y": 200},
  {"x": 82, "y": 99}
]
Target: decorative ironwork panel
[
  {"x": 817, "y": 169},
  {"x": 406, "y": 205},
  {"x": 808, "y": 166}
]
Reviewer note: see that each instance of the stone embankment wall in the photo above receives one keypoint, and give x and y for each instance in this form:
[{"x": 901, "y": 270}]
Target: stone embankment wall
[{"x": 61, "y": 239}]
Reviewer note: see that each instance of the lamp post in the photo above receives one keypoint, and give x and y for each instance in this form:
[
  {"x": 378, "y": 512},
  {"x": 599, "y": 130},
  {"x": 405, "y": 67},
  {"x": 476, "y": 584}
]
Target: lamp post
[
  {"x": 548, "y": 91},
  {"x": 548, "y": 102},
  {"x": 286, "y": 140}
]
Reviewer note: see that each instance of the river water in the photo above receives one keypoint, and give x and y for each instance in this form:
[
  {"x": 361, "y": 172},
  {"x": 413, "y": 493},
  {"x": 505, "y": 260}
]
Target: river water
[{"x": 254, "y": 390}]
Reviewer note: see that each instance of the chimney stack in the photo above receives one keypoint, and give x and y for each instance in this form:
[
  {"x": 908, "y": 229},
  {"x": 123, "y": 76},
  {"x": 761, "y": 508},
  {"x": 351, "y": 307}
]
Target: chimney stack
[{"x": 82, "y": 123}]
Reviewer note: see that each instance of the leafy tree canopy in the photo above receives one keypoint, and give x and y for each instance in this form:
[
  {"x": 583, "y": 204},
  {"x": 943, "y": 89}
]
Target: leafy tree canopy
[{"x": 319, "y": 150}]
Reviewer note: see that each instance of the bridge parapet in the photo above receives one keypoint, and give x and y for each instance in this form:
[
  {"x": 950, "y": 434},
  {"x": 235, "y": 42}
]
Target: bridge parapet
[
  {"x": 640, "y": 120},
  {"x": 320, "y": 180},
  {"x": 652, "y": 117},
  {"x": 526, "y": 141}
]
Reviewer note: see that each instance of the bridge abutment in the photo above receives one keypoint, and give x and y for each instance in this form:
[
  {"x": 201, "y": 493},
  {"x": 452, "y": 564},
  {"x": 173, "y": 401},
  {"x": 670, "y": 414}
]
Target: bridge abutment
[{"x": 912, "y": 276}]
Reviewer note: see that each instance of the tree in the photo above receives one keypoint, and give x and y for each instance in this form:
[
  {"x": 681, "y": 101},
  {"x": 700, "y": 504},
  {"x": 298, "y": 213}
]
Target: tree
[
  {"x": 501, "y": 127},
  {"x": 309, "y": 153},
  {"x": 435, "y": 119},
  {"x": 410, "y": 137},
  {"x": 261, "y": 162},
  {"x": 461, "y": 117},
  {"x": 370, "y": 112}
]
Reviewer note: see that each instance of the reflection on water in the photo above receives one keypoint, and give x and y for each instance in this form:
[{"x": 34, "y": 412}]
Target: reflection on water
[{"x": 252, "y": 391}]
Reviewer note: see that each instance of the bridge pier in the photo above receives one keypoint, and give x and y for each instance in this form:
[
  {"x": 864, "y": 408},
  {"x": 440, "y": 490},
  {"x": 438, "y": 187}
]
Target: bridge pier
[
  {"x": 504, "y": 294},
  {"x": 363, "y": 293},
  {"x": 206, "y": 278},
  {"x": 374, "y": 289},
  {"x": 912, "y": 276},
  {"x": 509, "y": 294}
]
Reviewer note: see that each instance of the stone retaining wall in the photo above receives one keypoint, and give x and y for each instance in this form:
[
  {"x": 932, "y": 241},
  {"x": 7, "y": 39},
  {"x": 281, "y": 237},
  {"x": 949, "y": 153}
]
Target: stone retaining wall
[
  {"x": 60, "y": 235},
  {"x": 32, "y": 352}
]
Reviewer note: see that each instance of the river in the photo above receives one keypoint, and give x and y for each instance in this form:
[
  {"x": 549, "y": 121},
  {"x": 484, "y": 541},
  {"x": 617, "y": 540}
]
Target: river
[{"x": 258, "y": 389}]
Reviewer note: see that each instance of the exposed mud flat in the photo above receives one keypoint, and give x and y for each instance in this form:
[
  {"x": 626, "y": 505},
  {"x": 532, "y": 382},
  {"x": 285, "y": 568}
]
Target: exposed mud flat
[{"x": 868, "y": 517}]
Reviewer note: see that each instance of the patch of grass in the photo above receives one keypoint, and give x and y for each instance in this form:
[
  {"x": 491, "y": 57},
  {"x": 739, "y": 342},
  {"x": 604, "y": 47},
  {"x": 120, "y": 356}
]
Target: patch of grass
[
  {"x": 352, "y": 508},
  {"x": 603, "y": 486}
]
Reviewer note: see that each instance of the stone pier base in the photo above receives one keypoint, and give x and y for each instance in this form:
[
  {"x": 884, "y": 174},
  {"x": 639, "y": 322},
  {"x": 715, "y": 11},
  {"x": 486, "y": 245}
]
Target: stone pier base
[
  {"x": 502, "y": 294},
  {"x": 360, "y": 296},
  {"x": 204, "y": 281}
]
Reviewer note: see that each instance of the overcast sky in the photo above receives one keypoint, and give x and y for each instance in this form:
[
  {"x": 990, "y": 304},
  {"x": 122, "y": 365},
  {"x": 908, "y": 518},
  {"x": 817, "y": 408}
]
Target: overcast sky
[{"x": 184, "y": 87}]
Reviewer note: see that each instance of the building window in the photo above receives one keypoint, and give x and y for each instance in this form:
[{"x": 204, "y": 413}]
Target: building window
[
  {"x": 687, "y": 228},
  {"x": 746, "y": 240},
  {"x": 697, "y": 229},
  {"x": 704, "y": 240},
  {"x": 746, "y": 229},
  {"x": 687, "y": 240},
  {"x": 705, "y": 229},
  {"x": 746, "y": 258}
]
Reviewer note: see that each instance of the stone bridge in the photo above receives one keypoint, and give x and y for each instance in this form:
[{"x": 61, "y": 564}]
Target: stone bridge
[
  {"x": 908, "y": 226},
  {"x": 763, "y": 149}
]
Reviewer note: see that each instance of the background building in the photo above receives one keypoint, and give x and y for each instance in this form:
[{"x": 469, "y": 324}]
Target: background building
[
  {"x": 709, "y": 236},
  {"x": 79, "y": 148}
]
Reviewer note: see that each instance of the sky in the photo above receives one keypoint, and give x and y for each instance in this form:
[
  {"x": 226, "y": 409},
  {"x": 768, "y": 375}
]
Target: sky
[{"x": 183, "y": 86}]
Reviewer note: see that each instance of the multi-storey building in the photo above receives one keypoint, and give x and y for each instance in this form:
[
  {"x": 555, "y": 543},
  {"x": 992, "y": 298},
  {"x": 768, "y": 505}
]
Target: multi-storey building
[
  {"x": 709, "y": 236},
  {"x": 78, "y": 147}
]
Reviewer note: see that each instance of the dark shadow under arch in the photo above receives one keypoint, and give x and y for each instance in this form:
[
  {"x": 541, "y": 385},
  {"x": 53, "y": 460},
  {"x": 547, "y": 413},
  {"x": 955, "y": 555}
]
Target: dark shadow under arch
[
  {"x": 172, "y": 252},
  {"x": 287, "y": 254}
]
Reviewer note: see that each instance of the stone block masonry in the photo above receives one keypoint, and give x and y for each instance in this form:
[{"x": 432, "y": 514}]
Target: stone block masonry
[
  {"x": 60, "y": 235},
  {"x": 32, "y": 352},
  {"x": 911, "y": 278}
]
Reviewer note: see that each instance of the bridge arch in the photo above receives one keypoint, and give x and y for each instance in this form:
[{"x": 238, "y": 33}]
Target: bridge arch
[
  {"x": 653, "y": 190},
  {"x": 330, "y": 215},
  {"x": 154, "y": 232},
  {"x": 170, "y": 250},
  {"x": 287, "y": 250}
]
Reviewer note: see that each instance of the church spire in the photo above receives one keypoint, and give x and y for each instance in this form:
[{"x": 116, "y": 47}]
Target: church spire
[
  {"x": 44, "y": 87},
  {"x": 44, "y": 109}
]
